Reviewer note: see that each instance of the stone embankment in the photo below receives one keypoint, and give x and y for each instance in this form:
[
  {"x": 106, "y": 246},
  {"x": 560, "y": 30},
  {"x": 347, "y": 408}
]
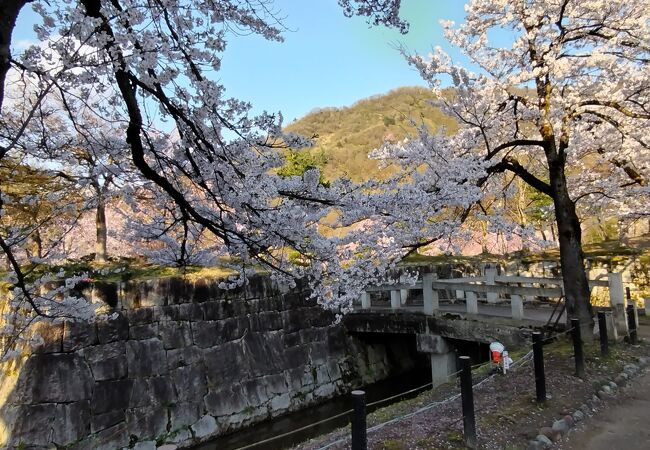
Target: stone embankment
[{"x": 178, "y": 362}]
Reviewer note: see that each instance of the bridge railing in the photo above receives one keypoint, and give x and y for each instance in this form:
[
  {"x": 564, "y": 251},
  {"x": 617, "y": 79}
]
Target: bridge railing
[{"x": 517, "y": 288}]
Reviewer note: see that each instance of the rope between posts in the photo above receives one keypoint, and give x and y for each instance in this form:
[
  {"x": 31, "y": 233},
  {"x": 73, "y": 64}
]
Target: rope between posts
[
  {"x": 554, "y": 336},
  {"x": 515, "y": 364},
  {"x": 383, "y": 400},
  {"x": 337, "y": 416}
]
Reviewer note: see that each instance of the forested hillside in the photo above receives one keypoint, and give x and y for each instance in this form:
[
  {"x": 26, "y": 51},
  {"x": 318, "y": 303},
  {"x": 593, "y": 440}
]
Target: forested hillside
[{"x": 346, "y": 135}]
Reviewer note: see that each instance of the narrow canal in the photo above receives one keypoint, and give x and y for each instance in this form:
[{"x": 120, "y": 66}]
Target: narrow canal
[
  {"x": 299, "y": 419},
  {"x": 263, "y": 433}
]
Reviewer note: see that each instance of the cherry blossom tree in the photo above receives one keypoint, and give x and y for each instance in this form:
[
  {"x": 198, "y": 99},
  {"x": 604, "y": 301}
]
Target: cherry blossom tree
[
  {"x": 140, "y": 64},
  {"x": 558, "y": 94}
]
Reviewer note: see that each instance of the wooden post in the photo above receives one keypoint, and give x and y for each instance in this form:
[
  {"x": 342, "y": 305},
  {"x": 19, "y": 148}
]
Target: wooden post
[
  {"x": 538, "y": 361},
  {"x": 395, "y": 300},
  {"x": 517, "y": 307},
  {"x": 631, "y": 322},
  {"x": 429, "y": 295},
  {"x": 471, "y": 302},
  {"x": 602, "y": 330},
  {"x": 467, "y": 400},
  {"x": 359, "y": 436}
]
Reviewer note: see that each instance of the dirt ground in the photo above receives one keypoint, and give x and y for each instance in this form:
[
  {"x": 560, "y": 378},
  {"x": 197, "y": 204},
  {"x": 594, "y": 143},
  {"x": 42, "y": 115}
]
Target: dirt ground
[{"x": 507, "y": 414}]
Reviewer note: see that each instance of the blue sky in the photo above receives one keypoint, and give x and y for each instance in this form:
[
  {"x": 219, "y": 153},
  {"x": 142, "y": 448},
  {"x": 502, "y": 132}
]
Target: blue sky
[{"x": 325, "y": 60}]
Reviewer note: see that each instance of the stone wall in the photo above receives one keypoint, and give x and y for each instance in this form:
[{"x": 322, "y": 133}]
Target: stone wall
[{"x": 180, "y": 362}]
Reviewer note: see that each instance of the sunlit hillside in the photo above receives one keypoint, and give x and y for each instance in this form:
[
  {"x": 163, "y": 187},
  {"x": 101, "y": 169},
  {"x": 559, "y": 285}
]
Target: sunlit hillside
[{"x": 346, "y": 135}]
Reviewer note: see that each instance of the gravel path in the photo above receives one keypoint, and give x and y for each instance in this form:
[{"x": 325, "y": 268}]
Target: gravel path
[{"x": 507, "y": 415}]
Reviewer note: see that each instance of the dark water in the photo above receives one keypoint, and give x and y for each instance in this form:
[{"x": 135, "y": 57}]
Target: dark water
[
  {"x": 265, "y": 430},
  {"x": 377, "y": 391}
]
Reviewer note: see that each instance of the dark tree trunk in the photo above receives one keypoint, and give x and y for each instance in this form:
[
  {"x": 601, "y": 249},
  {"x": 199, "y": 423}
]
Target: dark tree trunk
[
  {"x": 576, "y": 285},
  {"x": 8, "y": 13},
  {"x": 101, "y": 253}
]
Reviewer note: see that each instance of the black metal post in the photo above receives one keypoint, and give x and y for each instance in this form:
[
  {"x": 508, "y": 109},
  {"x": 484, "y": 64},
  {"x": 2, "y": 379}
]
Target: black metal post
[
  {"x": 538, "y": 360},
  {"x": 577, "y": 348},
  {"x": 602, "y": 329},
  {"x": 467, "y": 399},
  {"x": 628, "y": 294},
  {"x": 359, "y": 437},
  {"x": 631, "y": 322}
]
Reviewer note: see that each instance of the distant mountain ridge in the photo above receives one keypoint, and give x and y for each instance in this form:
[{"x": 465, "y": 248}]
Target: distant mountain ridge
[{"x": 346, "y": 135}]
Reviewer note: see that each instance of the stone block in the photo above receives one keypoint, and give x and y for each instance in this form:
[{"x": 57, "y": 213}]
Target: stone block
[
  {"x": 322, "y": 376},
  {"x": 270, "y": 320},
  {"x": 107, "y": 361},
  {"x": 275, "y": 384},
  {"x": 213, "y": 310},
  {"x": 293, "y": 321},
  {"x": 146, "y": 445},
  {"x": 111, "y": 438},
  {"x": 226, "y": 401},
  {"x": 280, "y": 403},
  {"x": 114, "y": 328},
  {"x": 34, "y": 428},
  {"x": 181, "y": 436},
  {"x": 295, "y": 357},
  {"x": 140, "y": 316},
  {"x": 206, "y": 426},
  {"x": 226, "y": 364},
  {"x": 190, "y": 311},
  {"x": 291, "y": 339},
  {"x": 183, "y": 357},
  {"x": 265, "y": 352},
  {"x": 255, "y": 392},
  {"x": 106, "y": 420},
  {"x": 50, "y": 334},
  {"x": 333, "y": 369},
  {"x": 185, "y": 414},
  {"x": 146, "y": 358},
  {"x": 167, "y": 313},
  {"x": 252, "y": 306},
  {"x": 71, "y": 423},
  {"x": 311, "y": 335},
  {"x": 294, "y": 378},
  {"x": 57, "y": 378},
  {"x": 143, "y": 331},
  {"x": 146, "y": 423},
  {"x": 111, "y": 396},
  {"x": 152, "y": 391},
  {"x": 78, "y": 334},
  {"x": 336, "y": 340},
  {"x": 190, "y": 383},
  {"x": 318, "y": 353},
  {"x": 292, "y": 300},
  {"x": 254, "y": 323},
  {"x": 325, "y": 390},
  {"x": 205, "y": 334},
  {"x": 175, "y": 334}
]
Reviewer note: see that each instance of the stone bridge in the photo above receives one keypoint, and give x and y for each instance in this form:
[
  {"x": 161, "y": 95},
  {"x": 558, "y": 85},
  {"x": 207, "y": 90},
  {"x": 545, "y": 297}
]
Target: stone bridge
[{"x": 478, "y": 309}]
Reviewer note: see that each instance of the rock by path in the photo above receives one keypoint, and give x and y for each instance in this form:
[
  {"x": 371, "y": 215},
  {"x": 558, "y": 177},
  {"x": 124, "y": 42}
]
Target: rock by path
[{"x": 622, "y": 424}]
